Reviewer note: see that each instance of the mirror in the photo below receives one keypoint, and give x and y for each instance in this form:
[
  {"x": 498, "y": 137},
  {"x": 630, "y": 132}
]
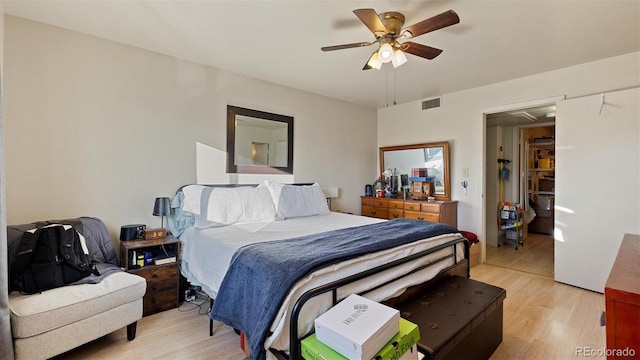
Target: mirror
[
  {"x": 258, "y": 142},
  {"x": 433, "y": 156}
]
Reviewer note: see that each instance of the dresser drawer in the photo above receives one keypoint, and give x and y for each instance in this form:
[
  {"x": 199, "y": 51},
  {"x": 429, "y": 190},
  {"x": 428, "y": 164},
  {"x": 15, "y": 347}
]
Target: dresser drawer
[
  {"x": 430, "y": 207},
  {"x": 421, "y": 216},
  {"x": 370, "y": 201},
  {"x": 396, "y": 204},
  {"x": 396, "y": 213},
  {"x": 412, "y": 205},
  {"x": 372, "y": 211},
  {"x": 381, "y": 202}
]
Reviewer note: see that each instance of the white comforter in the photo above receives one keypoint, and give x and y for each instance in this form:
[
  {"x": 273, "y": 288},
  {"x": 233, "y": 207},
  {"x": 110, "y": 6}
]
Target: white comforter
[{"x": 206, "y": 253}]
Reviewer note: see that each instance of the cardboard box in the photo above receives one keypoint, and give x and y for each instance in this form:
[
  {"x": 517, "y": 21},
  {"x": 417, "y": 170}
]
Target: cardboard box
[
  {"x": 401, "y": 346},
  {"x": 357, "y": 327}
]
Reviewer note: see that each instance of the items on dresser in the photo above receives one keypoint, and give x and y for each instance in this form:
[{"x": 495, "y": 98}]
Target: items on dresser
[
  {"x": 422, "y": 187},
  {"x": 437, "y": 211}
]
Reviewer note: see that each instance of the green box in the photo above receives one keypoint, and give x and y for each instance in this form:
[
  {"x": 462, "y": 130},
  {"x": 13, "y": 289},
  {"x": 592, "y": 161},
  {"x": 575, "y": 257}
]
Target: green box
[{"x": 407, "y": 336}]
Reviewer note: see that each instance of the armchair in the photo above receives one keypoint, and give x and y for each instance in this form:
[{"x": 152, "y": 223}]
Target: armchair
[{"x": 57, "y": 320}]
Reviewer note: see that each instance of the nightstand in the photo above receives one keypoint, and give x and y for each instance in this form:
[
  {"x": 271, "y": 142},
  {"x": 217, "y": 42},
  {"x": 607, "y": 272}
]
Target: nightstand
[{"x": 162, "y": 273}]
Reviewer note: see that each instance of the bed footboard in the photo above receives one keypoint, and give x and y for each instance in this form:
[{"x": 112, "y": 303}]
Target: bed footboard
[{"x": 459, "y": 267}]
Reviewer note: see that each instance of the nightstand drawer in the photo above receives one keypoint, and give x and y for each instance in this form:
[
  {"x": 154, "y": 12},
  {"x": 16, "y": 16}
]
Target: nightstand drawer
[
  {"x": 162, "y": 287},
  {"x": 160, "y": 301},
  {"x": 158, "y": 272}
]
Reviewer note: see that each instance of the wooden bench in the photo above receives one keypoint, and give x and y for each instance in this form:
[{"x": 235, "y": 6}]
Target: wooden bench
[{"x": 459, "y": 318}]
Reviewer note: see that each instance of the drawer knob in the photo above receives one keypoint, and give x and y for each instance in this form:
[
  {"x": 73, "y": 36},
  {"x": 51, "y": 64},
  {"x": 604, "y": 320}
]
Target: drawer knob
[
  {"x": 373, "y": 212},
  {"x": 153, "y": 300},
  {"x": 420, "y": 218},
  {"x": 154, "y": 288},
  {"x": 395, "y": 216}
]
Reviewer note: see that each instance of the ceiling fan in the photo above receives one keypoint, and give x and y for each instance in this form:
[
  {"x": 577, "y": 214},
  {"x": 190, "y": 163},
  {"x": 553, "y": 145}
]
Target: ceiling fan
[{"x": 387, "y": 28}]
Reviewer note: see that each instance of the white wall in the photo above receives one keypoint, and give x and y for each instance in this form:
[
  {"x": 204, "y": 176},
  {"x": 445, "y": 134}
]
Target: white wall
[
  {"x": 460, "y": 121},
  {"x": 494, "y": 135},
  {"x": 94, "y": 127}
]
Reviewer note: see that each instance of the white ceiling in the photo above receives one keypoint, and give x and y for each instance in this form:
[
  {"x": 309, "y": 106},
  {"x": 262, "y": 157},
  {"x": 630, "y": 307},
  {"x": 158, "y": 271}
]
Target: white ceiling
[{"x": 279, "y": 41}]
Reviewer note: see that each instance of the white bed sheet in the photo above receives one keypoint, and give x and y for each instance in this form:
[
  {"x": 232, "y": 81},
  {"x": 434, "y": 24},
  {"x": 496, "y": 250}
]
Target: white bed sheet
[{"x": 206, "y": 254}]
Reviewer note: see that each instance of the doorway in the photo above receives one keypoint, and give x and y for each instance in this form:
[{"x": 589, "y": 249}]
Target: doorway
[
  {"x": 259, "y": 153},
  {"x": 520, "y": 168}
]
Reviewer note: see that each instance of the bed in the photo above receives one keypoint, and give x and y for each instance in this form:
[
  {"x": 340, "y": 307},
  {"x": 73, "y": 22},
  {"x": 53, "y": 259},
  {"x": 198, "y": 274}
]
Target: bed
[{"x": 235, "y": 238}]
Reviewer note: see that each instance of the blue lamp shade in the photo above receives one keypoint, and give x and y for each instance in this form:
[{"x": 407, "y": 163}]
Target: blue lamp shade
[{"x": 162, "y": 208}]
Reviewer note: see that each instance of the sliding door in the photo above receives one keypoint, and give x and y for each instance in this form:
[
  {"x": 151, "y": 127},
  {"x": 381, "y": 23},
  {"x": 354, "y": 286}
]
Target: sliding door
[{"x": 597, "y": 184}]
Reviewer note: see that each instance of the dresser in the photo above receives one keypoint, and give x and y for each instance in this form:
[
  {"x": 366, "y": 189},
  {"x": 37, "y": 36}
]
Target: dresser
[
  {"x": 445, "y": 212},
  {"x": 622, "y": 301}
]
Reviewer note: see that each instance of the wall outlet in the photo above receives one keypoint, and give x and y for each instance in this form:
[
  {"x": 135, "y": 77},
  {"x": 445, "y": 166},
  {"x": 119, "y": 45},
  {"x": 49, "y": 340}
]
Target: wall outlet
[{"x": 465, "y": 172}]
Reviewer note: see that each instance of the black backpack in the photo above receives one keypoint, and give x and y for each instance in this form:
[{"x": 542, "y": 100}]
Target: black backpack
[{"x": 49, "y": 257}]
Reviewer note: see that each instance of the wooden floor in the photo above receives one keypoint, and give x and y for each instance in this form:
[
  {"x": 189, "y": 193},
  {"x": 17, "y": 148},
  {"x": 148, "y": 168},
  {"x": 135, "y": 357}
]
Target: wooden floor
[
  {"x": 536, "y": 256},
  {"x": 542, "y": 320}
]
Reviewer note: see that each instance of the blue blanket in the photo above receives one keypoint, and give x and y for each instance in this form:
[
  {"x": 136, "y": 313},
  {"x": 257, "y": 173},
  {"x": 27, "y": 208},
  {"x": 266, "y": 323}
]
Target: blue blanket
[{"x": 260, "y": 275}]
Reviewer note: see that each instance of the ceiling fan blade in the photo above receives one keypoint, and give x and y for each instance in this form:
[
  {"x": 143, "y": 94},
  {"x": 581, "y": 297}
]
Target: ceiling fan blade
[
  {"x": 424, "y": 51},
  {"x": 440, "y": 21},
  {"x": 345, "y": 46},
  {"x": 373, "y": 62},
  {"x": 372, "y": 21}
]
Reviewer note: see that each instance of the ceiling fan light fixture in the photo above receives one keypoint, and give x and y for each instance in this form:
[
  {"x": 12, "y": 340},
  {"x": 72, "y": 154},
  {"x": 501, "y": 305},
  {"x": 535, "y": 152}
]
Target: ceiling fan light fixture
[
  {"x": 399, "y": 58},
  {"x": 385, "y": 54},
  {"x": 387, "y": 29},
  {"x": 374, "y": 61}
]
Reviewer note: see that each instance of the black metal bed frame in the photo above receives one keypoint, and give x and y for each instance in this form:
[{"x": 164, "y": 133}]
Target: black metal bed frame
[
  {"x": 333, "y": 287},
  {"x": 458, "y": 267}
]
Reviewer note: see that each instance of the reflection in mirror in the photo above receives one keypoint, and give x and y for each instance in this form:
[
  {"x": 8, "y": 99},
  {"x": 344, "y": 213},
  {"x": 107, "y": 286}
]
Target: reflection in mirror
[
  {"x": 399, "y": 160},
  {"x": 258, "y": 142}
]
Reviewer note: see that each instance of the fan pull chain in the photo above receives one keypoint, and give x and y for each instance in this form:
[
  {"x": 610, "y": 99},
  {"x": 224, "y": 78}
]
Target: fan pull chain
[
  {"x": 386, "y": 88},
  {"x": 394, "y": 86}
]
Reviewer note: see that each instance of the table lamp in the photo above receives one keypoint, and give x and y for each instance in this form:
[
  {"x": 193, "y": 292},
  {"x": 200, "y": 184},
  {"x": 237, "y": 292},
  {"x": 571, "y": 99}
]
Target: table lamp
[{"x": 162, "y": 208}]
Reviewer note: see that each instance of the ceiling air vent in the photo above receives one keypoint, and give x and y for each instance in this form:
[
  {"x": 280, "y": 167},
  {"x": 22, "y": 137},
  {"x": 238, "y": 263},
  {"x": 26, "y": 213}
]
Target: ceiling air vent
[{"x": 431, "y": 103}]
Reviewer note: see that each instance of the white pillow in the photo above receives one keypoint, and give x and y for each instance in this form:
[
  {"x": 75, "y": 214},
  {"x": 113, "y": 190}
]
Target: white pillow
[
  {"x": 296, "y": 201},
  {"x": 192, "y": 198},
  {"x": 238, "y": 205},
  {"x": 215, "y": 207}
]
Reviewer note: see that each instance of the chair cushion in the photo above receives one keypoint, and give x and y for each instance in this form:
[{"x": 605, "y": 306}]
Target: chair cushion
[{"x": 38, "y": 313}]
